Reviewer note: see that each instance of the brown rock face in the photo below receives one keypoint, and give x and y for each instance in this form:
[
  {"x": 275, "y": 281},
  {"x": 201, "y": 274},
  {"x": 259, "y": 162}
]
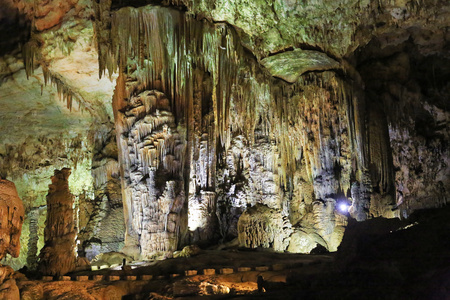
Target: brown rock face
[
  {"x": 11, "y": 219},
  {"x": 8, "y": 287},
  {"x": 58, "y": 255}
]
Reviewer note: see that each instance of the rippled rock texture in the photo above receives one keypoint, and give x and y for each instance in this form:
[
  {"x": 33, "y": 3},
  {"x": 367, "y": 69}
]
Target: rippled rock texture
[{"x": 152, "y": 157}]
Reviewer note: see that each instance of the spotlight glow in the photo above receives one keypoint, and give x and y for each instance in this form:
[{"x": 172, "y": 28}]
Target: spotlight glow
[{"x": 343, "y": 207}]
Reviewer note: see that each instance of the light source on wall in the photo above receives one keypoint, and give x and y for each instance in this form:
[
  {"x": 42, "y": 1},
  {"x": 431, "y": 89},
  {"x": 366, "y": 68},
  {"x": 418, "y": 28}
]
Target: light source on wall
[{"x": 343, "y": 206}]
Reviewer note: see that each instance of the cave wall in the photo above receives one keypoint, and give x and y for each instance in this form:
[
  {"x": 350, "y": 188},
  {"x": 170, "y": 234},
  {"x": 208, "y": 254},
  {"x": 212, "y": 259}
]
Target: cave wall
[
  {"x": 297, "y": 148},
  {"x": 406, "y": 77}
]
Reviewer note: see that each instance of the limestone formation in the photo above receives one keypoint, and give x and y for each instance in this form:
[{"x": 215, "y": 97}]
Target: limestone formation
[
  {"x": 291, "y": 65},
  {"x": 152, "y": 158},
  {"x": 101, "y": 219},
  {"x": 187, "y": 251},
  {"x": 297, "y": 148},
  {"x": 12, "y": 216},
  {"x": 58, "y": 256},
  {"x": 8, "y": 287},
  {"x": 111, "y": 258},
  {"x": 303, "y": 241},
  {"x": 260, "y": 226}
]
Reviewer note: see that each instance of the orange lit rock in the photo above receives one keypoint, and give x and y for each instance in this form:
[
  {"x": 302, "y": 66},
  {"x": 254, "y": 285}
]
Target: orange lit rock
[
  {"x": 58, "y": 256},
  {"x": 52, "y": 14},
  {"x": 11, "y": 220}
]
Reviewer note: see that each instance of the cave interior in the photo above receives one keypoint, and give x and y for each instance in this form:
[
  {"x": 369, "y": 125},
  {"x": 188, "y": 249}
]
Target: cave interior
[{"x": 224, "y": 149}]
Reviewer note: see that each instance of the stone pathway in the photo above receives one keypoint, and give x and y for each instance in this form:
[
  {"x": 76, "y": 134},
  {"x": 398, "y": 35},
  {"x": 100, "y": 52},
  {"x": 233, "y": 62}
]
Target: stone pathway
[{"x": 187, "y": 273}]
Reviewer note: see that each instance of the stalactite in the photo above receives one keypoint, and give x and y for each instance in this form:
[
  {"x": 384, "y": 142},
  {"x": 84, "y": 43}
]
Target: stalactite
[
  {"x": 102, "y": 173},
  {"x": 32, "y": 58},
  {"x": 65, "y": 93},
  {"x": 174, "y": 44},
  {"x": 29, "y": 53}
]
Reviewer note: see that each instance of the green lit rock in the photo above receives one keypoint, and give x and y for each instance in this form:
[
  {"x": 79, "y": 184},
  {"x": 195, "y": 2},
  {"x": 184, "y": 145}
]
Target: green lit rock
[{"x": 290, "y": 65}]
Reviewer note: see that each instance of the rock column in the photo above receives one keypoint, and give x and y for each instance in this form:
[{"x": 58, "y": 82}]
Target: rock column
[
  {"x": 58, "y": 256},
  {"x": 11, "y": 220}
]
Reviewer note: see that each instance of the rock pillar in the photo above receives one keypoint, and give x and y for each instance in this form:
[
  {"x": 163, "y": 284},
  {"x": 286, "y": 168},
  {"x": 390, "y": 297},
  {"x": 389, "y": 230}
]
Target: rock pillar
[{"x": 58, "y": 256}]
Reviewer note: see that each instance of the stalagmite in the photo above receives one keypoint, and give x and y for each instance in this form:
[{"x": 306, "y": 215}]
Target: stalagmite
[
  {"x": 58, "y": 256},
  {"x": 234, "y": 124}
]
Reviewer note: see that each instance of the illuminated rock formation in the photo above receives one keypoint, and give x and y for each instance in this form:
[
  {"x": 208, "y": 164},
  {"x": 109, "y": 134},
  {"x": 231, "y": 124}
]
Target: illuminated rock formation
[
  {"x": 12, "y": 216},
  {"x": 58, "y": 256},
  {"x": 152, "y": 158},
  {"x": 260, "y": 226},
  {"x": 231, "y": 119}
]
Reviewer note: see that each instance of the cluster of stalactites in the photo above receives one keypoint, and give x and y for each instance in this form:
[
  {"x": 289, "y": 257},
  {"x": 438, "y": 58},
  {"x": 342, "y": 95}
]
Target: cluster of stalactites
[
  {"x": 158, "y": 147},
  {"x": 152, "y": 156},
  {"x": 65, "y": 93},
  {"x": 104, "y": 172},
  {"x": 167, "y": 46},
  {"x": 152, "y": 137},
  {"x": 31, "y": 56},
  {"x": 314, "y": 123},
  {"x": 261, "y": 226},
  {"x": 29, "y": 53}
]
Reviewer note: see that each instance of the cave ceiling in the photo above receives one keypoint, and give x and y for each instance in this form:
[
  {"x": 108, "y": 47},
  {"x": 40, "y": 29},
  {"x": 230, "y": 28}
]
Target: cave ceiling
[{"x": 347, "y": 30}]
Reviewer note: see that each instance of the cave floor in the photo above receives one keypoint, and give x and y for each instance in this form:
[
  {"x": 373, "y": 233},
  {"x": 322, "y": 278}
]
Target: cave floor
[
  {"x": 373, "y": 262},
  {"x": 286, "y": 276},
  {"x": 220, "y": 274}
]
